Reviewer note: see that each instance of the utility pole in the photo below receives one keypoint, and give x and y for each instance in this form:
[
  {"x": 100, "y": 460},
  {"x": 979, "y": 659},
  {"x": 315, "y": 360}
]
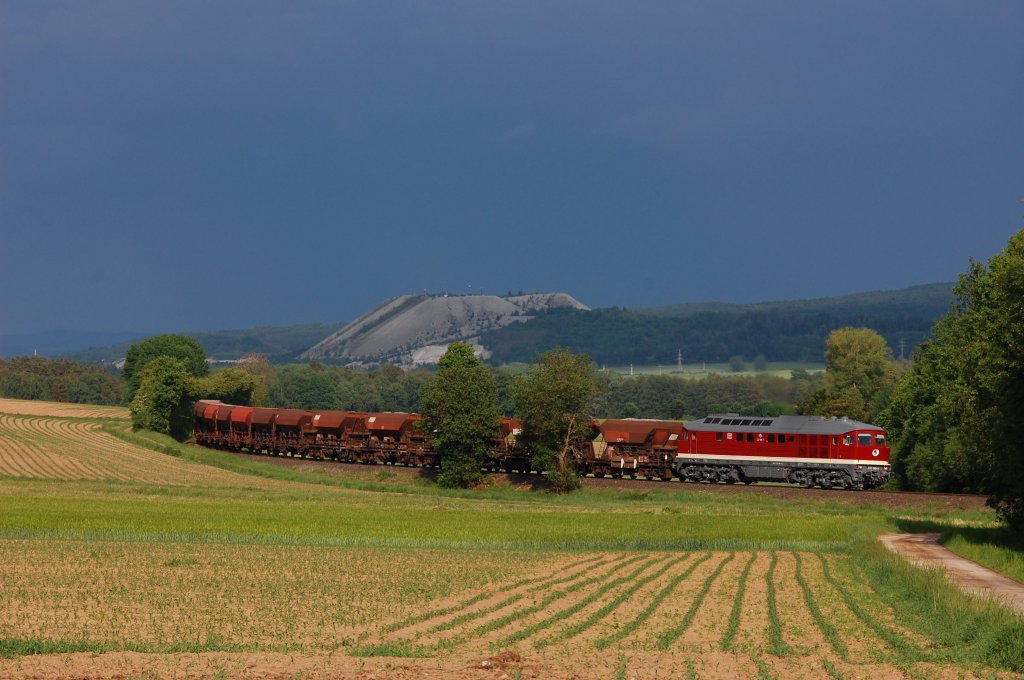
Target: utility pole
[{"x": 679, "y": 360}]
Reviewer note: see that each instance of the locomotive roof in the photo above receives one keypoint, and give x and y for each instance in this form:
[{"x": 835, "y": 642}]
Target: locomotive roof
[{"x": 731, "y": 422}]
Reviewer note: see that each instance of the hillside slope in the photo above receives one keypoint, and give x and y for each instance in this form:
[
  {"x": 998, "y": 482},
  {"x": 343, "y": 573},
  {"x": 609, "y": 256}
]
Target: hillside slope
[
  {"x": 416, "y": 329},
  {"x": 930, "y": 299},
  {"x": 781, "y": 331}
]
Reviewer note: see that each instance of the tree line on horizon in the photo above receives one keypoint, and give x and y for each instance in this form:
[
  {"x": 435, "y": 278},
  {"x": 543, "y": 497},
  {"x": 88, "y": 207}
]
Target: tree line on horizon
[{"x": 617, "y": 336}]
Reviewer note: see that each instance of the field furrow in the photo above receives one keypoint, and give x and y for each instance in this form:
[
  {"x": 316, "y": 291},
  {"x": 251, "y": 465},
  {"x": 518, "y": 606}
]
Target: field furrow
[
  {"x": 675, "y": 605},
  {"x": 669, "y": 636},
  {"x": 862, "y": 642},
  {"x": 800, "y": 632},
  {"x": 55, "y": 409},
  {"x": 579, "y": 600},
  {"x": 871, "y": 609},
  {"x": 609, "y": 604},
  {"x": 51, "y": 448},
  {"x": 728, "y": 640},
  {"x": 26, "y": 458},
  {"x": 635, "y": 617},
  {"x": 709, "y": 623},
  {"x": 486, "y": 602}
]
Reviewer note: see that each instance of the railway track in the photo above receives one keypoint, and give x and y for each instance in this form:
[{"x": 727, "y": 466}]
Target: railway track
[{"x": 875, "y": 497}]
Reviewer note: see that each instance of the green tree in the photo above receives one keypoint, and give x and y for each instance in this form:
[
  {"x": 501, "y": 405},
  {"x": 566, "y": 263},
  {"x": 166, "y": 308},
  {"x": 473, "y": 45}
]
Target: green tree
[
  {"x": 957, "y": 418},
  {"x": 552, "y": 400},
  {"x": 262, "y": 371},
  {"x": 860, "y": 375},
  {"x": 162, "y": 401},
  {"x": 630, "y": 410},
  {"x": 230, "y": 385},
  {"x": 760, "y": 363},
  {"x": 460, "y": 410},
  {"x": 182, "y": 347},
  {"x": 60, "y": 380},
  {"x": 737, "y": 364},
  {"x": 310, "y": 387}
]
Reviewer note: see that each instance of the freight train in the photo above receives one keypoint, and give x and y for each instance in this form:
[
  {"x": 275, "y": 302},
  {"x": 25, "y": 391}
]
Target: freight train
[{"x": 720, "y": 448}]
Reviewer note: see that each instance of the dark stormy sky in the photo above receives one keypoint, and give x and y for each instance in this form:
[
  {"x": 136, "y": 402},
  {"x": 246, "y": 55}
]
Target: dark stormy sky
[{"x": 204, "y": 165}]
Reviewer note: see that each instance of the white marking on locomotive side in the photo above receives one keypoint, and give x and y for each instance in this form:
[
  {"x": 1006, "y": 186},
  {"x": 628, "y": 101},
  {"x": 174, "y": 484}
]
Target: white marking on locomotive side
[{"x": 797, "y": 461}]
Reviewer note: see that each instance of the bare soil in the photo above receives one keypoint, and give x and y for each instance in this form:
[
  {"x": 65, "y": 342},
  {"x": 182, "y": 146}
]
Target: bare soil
[
  {"x": 708, "y": 664},
  {"x": 60, "y": 409},
  {"x": 546, "y": 652}
]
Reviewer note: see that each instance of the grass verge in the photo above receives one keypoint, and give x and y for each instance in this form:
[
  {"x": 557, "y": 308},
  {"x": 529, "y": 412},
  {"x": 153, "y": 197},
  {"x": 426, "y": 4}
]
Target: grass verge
[{"x": 961, "y": 629}]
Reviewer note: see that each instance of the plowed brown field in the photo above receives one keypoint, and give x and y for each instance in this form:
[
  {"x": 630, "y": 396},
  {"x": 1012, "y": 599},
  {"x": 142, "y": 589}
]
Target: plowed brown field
[
  {"x": 600, "y": 615},
  {"x": 60, "y": 409},
  {"x": 53, "y": 448},
  {"x": 662, "y": 615}
]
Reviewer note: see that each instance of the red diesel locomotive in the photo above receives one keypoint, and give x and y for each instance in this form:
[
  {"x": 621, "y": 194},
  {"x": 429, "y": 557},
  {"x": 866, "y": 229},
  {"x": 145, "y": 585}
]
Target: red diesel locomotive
[
  {"x": 729, "y": 448},
  {"x": 805, "y": 450}
]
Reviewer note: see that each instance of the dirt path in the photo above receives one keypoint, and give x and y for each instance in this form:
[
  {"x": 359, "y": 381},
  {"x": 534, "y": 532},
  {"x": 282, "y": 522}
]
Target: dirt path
[{"x": 924, "y": 550}]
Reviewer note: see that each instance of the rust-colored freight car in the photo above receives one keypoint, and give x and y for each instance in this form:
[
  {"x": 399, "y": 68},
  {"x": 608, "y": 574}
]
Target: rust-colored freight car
[
  {"x": 805, "y": 450},
  {"x": 634, "y": 447}
]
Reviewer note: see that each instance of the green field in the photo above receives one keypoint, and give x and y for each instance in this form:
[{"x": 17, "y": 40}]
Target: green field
[{"x": 253, "y": 563}]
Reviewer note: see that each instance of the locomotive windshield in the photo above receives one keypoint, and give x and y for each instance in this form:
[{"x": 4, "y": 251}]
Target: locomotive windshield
[
  {"x": 863, "y": 440},
  {"x": 879, "y": 440}
]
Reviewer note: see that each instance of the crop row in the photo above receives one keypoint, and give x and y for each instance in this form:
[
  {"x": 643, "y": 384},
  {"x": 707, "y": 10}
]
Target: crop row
[
  {"x": 61, "y": 410},
  {"x": 54, "y": 448},
  {"x": 773, "y": 611}
]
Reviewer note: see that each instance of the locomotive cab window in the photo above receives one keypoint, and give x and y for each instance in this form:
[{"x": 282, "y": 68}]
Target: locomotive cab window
[
  {"x": 879, "y": 440},
  {"x": 863, "y": 440},
  {"x": 718, "y": 436},
  {"x": 771, "y": 438},
  {"x": 848, "y": 440}
]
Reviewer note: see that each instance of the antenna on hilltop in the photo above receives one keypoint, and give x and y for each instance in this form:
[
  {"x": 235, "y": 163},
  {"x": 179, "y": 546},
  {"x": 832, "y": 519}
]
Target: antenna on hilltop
[{"x": 679, "y": 360}]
